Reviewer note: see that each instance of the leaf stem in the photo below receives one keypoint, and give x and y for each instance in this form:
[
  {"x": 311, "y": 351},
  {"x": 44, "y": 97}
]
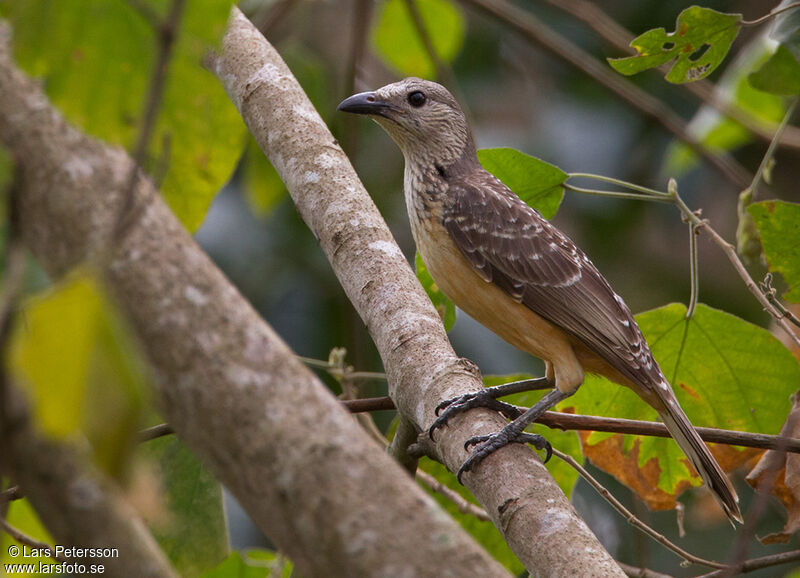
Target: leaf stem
[
  {"x": 773, "y": 146},
  {"x": 616, "y": 194},
  {"x": 632, "y": 186},
  {"x": 772, "y": 14}
]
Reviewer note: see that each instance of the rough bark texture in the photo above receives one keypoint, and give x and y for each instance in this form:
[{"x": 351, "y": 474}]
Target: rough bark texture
[
  {"x": 524, "y": 501},
  {"x": 326, "y": 494}
]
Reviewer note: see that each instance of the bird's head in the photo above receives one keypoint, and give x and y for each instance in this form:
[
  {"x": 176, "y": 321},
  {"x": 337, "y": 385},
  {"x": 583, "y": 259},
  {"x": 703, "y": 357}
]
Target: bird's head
[{"x": 421, "y": 116}]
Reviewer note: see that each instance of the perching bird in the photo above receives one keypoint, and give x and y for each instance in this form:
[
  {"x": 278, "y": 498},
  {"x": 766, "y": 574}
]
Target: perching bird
[{"x": 507, "y": 267}]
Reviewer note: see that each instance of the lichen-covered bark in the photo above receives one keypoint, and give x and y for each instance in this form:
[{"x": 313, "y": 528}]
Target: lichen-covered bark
[
  {"x": 525, "y": 503},
  {"x": 326, "y": 494}
]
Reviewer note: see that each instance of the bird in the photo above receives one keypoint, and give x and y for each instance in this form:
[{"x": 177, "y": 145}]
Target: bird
[{"x": 513, "y": 271}]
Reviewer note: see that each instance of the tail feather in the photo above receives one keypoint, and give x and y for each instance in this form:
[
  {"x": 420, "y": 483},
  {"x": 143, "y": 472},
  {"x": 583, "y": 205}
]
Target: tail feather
[{"x": 696, "y": 450}]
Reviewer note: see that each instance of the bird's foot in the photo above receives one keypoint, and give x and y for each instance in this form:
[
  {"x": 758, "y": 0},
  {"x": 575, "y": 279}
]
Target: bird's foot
[
  {"x": 488, "y": 444},
  {"x": 483, "y": 398}
]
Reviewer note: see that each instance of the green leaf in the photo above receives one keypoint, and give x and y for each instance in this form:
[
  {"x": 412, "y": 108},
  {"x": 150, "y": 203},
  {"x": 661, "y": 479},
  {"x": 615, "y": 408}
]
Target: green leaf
[
  {"x": 484, "y": 532},
  {"x": 700, "y": 42},
  {"x": 96, "y": 56},
  {"x": 779, "y": 75},
  {"x": 565, "y": 441},
  {"x": 73, "y": 355},
  {"x": 445, "y": 307},
  {"x": 193, "y": 533},
  {"x": 717, "y": 131},
  {"x": 399, "y": 44},
  {"x": 252, "y": 564},
  {"x": 534, "y": 181},
  {"x": 263, "y": 187},
  {"x": 726, "y": 373},
  {"x": 779, "y": 225}
]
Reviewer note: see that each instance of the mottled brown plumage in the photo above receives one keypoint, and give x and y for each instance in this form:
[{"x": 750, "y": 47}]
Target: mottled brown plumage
[{"x": 513, "y": 271}]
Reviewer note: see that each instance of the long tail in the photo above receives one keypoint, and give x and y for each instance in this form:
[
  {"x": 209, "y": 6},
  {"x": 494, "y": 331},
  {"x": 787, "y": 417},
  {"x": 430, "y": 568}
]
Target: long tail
[{"x": 696, "y": 450}]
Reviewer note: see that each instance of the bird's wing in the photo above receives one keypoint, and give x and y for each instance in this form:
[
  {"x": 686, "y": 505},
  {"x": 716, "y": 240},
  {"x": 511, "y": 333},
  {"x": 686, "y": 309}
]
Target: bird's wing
[{"x": 509, "y": 244}]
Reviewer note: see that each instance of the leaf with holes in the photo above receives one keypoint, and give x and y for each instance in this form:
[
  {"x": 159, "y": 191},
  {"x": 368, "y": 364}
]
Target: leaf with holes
[
  {"x": 726, "y": 373},
  {"x": 700, "y": 42},
  {"x": 779, "y": 225},
  {"x": 533, "y": 180}
]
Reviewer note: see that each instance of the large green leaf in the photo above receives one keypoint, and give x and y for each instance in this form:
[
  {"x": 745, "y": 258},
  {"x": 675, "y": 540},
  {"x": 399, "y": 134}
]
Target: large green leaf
[
  {"x": 398, "y": 41},
  {"x": 726, "y": 373},
  {"x": 701, "y": 39},
  {"x": 73, "y": 355},
  {"x": 193, "y": 532},
  {"x": 779, "y": 225},
  {"x": 96, "y": 56},
  {"x": 536, "y": 182},
  {"x": 779, "y": 75}
]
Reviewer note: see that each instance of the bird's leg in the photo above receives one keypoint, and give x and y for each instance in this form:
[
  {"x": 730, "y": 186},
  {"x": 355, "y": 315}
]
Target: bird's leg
[
  {"x": 487, "y": 398},
  {"x": 513, "y": 433}
]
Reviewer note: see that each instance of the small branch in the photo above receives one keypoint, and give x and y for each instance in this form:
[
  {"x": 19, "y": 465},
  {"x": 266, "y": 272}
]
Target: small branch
[
  {"x": 11, "y": 494},
  {"x": 572, "y": 421},
  {"x": 630, "y": 517},
  {"x": 463, "y": 505},
  {"x": 769, "y": 292},
  {"x": 23, "y": 538},
  {"x": 167, "y": 34},
  {"x": 154, "y": 432},
  {"x": 756, "y": 564},
  {"x": 773, "y": 13},
  {"x": 733, "y": 257},
  {"x": 634, "y": 572},
  {"x": 773, "y": 146}
]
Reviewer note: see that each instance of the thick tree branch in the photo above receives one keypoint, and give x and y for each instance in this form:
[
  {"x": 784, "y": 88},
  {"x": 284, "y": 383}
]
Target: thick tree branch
[
  {"x": 231, "y": 389},
  {"x": 523, "y": 500}
]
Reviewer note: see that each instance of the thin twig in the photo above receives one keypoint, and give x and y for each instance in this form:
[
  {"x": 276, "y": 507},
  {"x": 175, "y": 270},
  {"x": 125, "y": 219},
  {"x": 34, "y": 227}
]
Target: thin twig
[
  {"x": 773, "y": 13},
  {"x": 757, "y": 564},
  {"x": 769, "y": 292},
  {"x": 532, "y": 29},
  {"x": 699, "y": 224},
  {"x": 442, "y": 70},
  {"x": 609, "y": 30},
  {"x": 630, "y": 517},
  {"x": 773, "y": 146},
  {"x": 752, "y": 286},
  {"x": 23, "y": 538},
  {"x": 463, "y": 505},
  {"x": 157, "y": 431},
  {"x": 634, "y": 572},
  {"x": 167, "y": 34},
  {"x": 572, "y": 421},
  {"x": 11, "y": 494}
]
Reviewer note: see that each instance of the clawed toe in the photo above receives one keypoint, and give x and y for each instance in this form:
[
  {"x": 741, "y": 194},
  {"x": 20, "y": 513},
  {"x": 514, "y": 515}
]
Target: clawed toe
[
  {"x": 451, "y": 407},
  {"x": 488, "y": 444}
]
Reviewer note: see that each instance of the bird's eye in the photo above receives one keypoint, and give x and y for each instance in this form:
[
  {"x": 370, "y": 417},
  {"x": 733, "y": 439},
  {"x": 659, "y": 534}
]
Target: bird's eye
[{"x": 417, "y": 98}]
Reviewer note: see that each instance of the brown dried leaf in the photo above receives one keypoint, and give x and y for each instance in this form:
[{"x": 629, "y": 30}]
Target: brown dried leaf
[{"x": 779, "y": 474}]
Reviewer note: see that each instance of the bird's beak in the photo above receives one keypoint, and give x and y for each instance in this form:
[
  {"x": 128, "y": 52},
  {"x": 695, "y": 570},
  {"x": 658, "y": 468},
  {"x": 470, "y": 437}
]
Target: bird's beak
[{"x": 365, "y": 103}]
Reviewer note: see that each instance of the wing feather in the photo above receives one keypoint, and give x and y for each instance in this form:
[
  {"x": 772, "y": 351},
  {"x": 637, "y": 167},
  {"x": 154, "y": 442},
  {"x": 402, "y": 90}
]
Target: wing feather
[{"x": 509, "y": 244}]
